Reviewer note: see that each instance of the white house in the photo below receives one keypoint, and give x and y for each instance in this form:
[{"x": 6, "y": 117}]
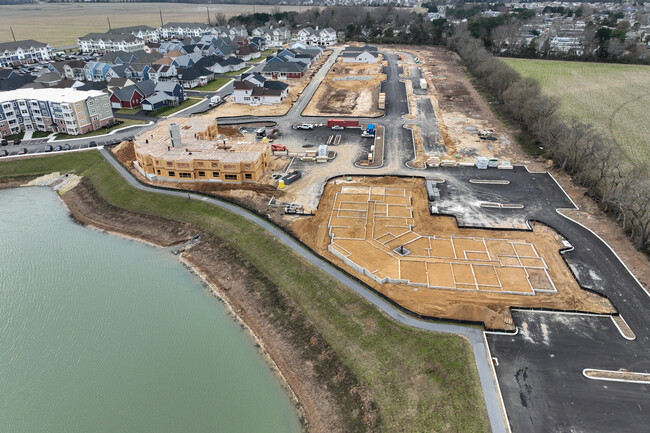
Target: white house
[
  {"x": 324, "y": 37},
  {"x": 102, "y": 42},
  {"x": 273, "y": 37},
  {"x": 270, "y": 92},
  {"x": 22, "y": 52},
  {"x": 359, "y": 57}
]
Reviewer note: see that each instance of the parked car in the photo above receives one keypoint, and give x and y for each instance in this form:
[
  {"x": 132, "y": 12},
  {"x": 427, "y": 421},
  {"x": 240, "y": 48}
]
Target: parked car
[
  {"x": 92, "y": 144},
  {"x": 58, "y": 148},
  {"x": 305, "y": 126},
  {"x": 17, "y": 141},
  {"x": 4, "y": 142},
  {"x": 4, "y": 152},
  {"x": 67, "y": 147},
  {"x": 23, "y": 151},
  {"x": 337, "y": 128},
  {"x": 49, "y": 148}
]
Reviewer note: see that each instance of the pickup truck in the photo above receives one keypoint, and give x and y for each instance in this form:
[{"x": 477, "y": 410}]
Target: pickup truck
[{"x": 305, "y": 126}]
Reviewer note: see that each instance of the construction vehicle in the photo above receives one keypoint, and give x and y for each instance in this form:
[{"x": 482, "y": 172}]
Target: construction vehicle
[{"x": 370, "y": 131}]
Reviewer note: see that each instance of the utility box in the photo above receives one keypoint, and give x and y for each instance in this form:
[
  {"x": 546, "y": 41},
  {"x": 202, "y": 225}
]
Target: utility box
[{"x": 322, "y": 151}]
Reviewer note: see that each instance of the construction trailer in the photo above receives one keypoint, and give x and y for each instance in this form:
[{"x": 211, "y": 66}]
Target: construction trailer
[{"x": 343, "y": 122}]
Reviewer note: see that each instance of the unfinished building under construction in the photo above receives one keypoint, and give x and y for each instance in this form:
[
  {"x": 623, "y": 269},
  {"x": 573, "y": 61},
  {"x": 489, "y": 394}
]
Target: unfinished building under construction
[{"x": 190, "y": 150}]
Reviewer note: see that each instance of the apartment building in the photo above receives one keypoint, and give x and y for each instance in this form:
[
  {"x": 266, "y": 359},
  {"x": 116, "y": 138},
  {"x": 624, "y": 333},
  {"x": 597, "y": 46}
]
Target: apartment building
[
  {"x": 22, "y": 52},
  {"x": 68, "y": 111},
  {"x": 189, "y": 150},
  {"x": 179, "y": 30},
  {"x": 146, "y": 33},
  {"x": 103, "y": 42}
]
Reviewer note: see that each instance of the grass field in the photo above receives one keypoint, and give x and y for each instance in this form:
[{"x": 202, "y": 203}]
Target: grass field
[
  {"x": 123, "y": 124},
  {"x": 421, "y": 381},
  {"x": 169, "y": 110},
  {"x": 50, "y": 22},
  {"x": 213, "y": 85},
  {"x": 614, "y": 98}
]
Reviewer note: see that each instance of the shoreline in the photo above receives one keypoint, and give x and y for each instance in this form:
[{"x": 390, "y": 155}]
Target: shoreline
[
  {"x": 300, "y": 386},
  {"x": 214, "y": 291}
]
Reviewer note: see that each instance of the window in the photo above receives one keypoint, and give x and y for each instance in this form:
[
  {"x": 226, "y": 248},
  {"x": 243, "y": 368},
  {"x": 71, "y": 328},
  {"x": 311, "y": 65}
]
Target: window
[
  {"x": 185, "y": 175},
  {"x": 201, "y": 173},
  {"x": 171, "y": 174},
  {"x": 248, "y": 176},
  {"x": 231, "y": 177},
  {"x": 158, "y": 172},
  {"x": 215, "y": 174}
]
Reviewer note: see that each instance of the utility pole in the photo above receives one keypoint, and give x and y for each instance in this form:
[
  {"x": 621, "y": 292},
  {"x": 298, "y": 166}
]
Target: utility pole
[
  {"x": 12, "y": 33},
  {"x": 208, "y": 15},
  {"x": 161, "y": 21},
  {"x": 109, "y": 23}
]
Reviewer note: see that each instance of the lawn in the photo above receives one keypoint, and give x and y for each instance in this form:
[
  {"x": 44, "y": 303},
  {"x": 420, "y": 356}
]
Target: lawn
[
  {"x": 258, "y": 60},
  {"x": 213, "y": 85},
  {"x": 128, "y": 110},
  {"x": 123, "y": 124},
  {"x": 166, "y": 111},
  {"x": 41, "y": 134},
  {"x": 236, "y": 73},
  {"x": 420, "y": 381},
  {"x": 614, "y": 98},
  {"x": 18, "y": 136}
]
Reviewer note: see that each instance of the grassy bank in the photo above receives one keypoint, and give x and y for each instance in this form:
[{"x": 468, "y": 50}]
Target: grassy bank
[
  {"x": 123, "y": 123},
  {"x": 213, "y": 85},
  {"x": 614, "y": 98},
  {"x": 420, "y": 381},
  {"x": 169, "y": 110}
]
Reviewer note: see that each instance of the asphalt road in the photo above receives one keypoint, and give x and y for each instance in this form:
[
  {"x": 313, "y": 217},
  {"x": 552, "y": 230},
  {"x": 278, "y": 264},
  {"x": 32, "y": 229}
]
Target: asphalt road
[{"x": 474, "y": 335}]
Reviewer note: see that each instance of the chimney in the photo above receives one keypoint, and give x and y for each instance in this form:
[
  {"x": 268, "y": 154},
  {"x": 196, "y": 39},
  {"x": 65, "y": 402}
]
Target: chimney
[{"x": 175, "y": 135}]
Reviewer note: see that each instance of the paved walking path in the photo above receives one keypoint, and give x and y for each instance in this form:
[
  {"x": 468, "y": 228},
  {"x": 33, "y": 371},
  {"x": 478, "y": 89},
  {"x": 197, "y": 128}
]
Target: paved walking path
[{"x": 474, "y": 335}]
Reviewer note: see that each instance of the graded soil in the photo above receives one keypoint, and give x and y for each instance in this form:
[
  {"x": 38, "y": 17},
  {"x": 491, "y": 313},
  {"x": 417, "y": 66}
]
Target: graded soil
[
  {"x": 338, "y": 95},
  {"x": 460, "y": 281}
]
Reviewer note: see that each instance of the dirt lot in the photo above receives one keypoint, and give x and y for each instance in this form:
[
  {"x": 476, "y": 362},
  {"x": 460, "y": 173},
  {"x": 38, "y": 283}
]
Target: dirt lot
[
  {"x": 348, "y": 97},
  {"x": 462, "y": 111},
  {"x": 469, "y": 299},
  {"x": 295, "y": 87}
]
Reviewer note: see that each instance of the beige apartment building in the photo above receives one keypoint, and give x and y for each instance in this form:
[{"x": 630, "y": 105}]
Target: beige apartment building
[{"x": 190, "y": 150}]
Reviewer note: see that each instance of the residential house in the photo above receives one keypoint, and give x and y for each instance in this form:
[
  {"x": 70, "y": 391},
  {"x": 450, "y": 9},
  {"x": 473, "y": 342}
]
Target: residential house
[
  {"x": 166, "y": 93},
  {"x": 74, "y": 70},
  {"x": 259, "y": 43},
  {"x": 315, "y": 37},
  {"x": 359, "y": 57},
  {"x": 49, "y": 79},
  {"x": 98, "y": 71},
  {"x": 255, "y": 78},
  {"x": 284, "y": 70},
  {"x": 158, "y": 72},
  {"x": 146, "y": 33},
  {"x": 23, "y": 52},
  {"x": 118, "y": 83},
  {"x": 132, "y": 96},
  {"x": 69, "y": 111},
  {"x": 15, "y": 81},
  {"x": 237, "y": 31},
  {"x": 195, "y": 76},
  {"x": 247, "y": 53},
  {"x": 103, "y": 42},
  {"x": 118, "y": 58},
  {"x": 137, "y": 71},
  {"x": 269, "y": 92}
]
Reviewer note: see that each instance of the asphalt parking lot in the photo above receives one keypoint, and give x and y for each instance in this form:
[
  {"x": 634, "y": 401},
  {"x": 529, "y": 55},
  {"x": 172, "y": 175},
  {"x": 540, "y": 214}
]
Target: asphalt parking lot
[{"x": 540, "y": 368}]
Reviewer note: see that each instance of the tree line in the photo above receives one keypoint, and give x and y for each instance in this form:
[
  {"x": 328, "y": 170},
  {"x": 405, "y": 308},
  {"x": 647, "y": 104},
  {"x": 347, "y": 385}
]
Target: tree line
[{"x": 619, "y": 185}]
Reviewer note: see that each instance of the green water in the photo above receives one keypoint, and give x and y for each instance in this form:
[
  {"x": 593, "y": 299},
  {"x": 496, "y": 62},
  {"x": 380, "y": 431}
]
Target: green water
[{"x": 103, "y": 334}]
